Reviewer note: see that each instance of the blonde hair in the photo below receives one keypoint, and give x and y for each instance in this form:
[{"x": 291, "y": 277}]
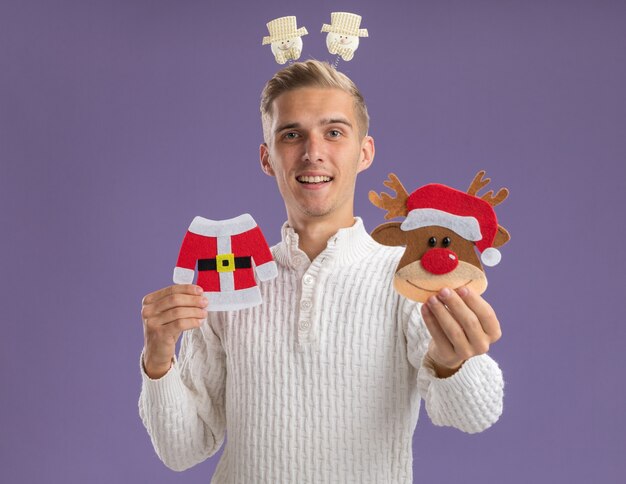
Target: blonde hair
[{"x": 311, "y": 73}]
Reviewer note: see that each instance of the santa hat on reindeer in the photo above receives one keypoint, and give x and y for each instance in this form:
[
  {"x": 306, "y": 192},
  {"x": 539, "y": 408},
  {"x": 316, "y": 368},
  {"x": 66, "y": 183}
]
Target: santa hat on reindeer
[{"x": 469, "y": 216}]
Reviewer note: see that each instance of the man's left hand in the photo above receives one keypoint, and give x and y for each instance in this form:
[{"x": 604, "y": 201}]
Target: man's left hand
[{"x": 462, "y": 324}]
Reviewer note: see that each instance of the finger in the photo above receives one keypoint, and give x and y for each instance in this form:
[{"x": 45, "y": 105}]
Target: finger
[
  {"x": 174, "y": 314},
  {"x": 450, "y": 327},
  {"x": 169, "y": 333},
  {"x": 186, "y": 324},
  {"x": 464, "y": 316},
  {"x": 439, "y": 337},
  {"x": 483, "y": 310},
  {"x": 178, "y": 300},
  {"x": 174, "y": 289}
]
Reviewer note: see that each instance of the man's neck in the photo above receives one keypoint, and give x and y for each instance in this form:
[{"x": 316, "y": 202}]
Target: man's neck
[{"x": 313, "y": 233}]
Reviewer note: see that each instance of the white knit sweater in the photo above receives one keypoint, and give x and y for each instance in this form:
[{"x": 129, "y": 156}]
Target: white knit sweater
[{"x": 321, "y": 383}]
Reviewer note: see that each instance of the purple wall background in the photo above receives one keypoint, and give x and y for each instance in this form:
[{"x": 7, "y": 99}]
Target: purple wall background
[{"x": 121, "y": 120}]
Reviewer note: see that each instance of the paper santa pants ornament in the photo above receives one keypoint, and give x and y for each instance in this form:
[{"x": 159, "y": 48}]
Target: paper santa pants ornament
[{"x": 227, "y": 255}]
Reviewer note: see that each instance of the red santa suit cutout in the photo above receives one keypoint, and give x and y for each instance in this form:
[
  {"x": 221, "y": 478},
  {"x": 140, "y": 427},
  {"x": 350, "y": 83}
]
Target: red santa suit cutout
[{"x": 227, "y": 254}]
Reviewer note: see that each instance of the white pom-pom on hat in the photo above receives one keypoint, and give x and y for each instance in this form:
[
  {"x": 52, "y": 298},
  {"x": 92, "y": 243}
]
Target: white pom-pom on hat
[{"x": 491, "y": 256}]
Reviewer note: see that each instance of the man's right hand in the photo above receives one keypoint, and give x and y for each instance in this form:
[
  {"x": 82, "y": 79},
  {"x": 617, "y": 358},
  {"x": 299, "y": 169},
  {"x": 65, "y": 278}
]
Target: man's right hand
[{"x": 166, "y": 314}]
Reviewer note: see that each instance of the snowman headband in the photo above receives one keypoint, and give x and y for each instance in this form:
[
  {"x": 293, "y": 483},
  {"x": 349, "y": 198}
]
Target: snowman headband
[{"x": 343, "y": 31}]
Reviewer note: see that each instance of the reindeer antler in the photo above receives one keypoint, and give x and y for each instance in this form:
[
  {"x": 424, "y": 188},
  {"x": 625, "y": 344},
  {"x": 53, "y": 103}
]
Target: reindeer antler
[
  {"x": 395, "y": 206},
  {"x": 479, "y": 182}
]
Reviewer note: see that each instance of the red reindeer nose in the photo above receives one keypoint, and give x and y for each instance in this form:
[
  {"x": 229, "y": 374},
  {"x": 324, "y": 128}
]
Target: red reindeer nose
[{"x": 439, "y": 261}]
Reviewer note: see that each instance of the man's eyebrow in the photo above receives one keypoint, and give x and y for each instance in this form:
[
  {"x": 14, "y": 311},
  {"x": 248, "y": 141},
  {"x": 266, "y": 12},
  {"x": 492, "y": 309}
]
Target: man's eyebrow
[
  {"x": 322, "y": 122},
  {"x": 286, "y": 126},
  {"x": 336, "y": 121}
]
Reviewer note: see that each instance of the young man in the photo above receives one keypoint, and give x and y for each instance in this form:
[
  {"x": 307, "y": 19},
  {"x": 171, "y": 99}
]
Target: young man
[{"x": 322, "y": 382}]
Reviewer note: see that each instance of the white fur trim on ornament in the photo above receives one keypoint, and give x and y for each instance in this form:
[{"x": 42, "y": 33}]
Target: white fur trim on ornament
[
  {"x": 220, "y": 228},
  {"x": 267, "y": 271},
  {"x": 233, "y": 300},
  {"x": 491, "y": 256},
  {"x": 183, "y": 276},
  {"x": 466, "y": 227}
]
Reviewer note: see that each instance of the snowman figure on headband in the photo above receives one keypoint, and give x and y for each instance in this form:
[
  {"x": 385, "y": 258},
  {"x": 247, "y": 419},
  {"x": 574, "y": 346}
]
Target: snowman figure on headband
[
  {"x": 343, "y": 34},
  {"x": 285, "y": 39}
]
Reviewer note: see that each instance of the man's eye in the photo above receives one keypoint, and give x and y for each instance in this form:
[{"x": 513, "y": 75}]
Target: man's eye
[
  {"x": 334, "y": 133},
  {"x": 291, "y": 135}
]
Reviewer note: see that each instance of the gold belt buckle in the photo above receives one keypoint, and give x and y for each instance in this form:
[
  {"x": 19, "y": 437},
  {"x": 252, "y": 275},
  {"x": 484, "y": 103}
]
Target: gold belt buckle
[{"x": 225, "y": 262}]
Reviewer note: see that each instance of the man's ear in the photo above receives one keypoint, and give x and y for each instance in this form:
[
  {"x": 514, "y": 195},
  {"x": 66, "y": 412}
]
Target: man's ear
[
  {"x": 264, "y": 156},
  {"x": 367, "y": 150},
  {"x": 389, "y": 234}
]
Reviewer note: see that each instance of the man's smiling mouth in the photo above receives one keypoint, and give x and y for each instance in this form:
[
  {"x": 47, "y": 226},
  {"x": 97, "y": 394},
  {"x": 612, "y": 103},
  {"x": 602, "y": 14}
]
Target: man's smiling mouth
[{"x": 313, "y": 180}]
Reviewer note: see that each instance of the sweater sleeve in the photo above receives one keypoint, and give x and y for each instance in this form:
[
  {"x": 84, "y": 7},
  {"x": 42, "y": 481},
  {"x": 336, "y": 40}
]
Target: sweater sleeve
[
  {"x": 471, "y": 399},
  {"x": 183, "y": 411}
]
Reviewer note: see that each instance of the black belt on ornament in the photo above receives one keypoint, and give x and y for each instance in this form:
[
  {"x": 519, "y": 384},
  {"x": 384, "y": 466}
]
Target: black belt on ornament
[{"x": 226, "y": 264}]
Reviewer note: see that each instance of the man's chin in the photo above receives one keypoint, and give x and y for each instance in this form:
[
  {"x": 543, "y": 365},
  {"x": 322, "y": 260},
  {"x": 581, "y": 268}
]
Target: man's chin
[
  {"x": 316, "y": 212},
  {"x": 314, "y": 205},
  {"x": 315, "y": 209}
]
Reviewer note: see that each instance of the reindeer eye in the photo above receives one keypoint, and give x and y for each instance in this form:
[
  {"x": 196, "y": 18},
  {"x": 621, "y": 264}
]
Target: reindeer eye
[
  {"x": 446, "y": 241},
  {"x": 432, "y": 242}
]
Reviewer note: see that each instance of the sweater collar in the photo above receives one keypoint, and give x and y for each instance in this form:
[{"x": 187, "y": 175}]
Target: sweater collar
[{"x": 346, "y": 246}]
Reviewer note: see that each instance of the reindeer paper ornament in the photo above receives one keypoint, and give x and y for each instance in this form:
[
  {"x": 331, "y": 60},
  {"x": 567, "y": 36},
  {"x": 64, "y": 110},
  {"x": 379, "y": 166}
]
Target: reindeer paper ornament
[{"x": 442, "y": 229}]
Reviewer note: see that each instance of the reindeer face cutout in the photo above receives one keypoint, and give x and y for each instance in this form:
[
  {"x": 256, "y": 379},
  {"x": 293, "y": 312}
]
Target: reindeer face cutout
[{"x": 441, "y": 232}]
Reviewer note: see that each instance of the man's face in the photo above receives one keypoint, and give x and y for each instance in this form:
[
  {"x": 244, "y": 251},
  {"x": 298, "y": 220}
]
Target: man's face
[{"x": 315, "y": 151}]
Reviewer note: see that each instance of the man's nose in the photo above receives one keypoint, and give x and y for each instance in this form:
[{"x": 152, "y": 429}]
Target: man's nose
[{"x": 313, "y": 149}]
